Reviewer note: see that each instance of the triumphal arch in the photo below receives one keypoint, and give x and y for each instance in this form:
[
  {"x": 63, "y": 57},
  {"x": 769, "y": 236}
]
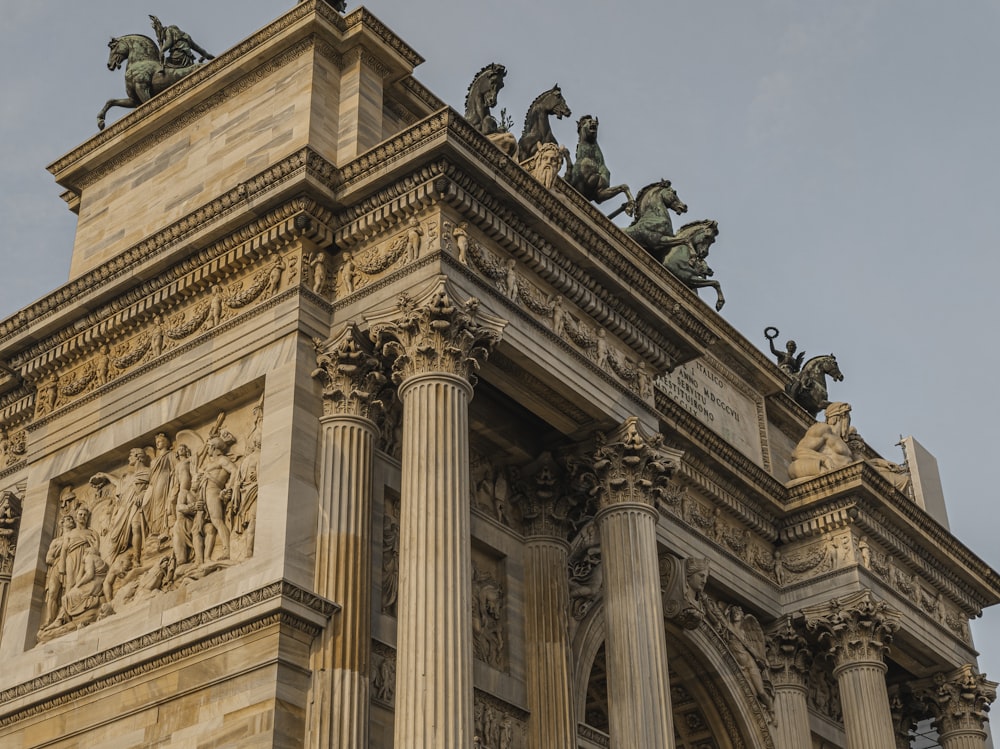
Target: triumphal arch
[{"x": 360, "y": 424}]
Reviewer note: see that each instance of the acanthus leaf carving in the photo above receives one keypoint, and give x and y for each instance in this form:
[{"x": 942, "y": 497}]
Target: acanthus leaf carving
[
  {"x": 432, "y": 333},
  {"x": 350, "y": 374},
  {"x": 960, "y": 700},
  {"x": 856, "y": 628},
  {"x": 632, "y": 466}
]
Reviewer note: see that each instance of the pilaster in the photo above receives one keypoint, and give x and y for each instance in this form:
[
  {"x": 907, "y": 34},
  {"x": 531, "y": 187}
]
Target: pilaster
[
  {"x": 629, "y": 466},
  {"x": 435, "y": 346},
  {"x": 351, "y": 379},
  {"x": 858, "y": 629}
]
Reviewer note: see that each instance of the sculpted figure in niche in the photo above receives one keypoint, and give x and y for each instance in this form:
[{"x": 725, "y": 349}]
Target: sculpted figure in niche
[
  {"x": 318, "y": 263},
  {"x": 347, "y": 271}
]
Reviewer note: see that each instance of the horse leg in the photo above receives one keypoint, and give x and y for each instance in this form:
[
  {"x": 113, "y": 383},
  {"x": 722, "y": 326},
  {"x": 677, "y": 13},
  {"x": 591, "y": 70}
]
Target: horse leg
[{"x": 124, "y": 103}]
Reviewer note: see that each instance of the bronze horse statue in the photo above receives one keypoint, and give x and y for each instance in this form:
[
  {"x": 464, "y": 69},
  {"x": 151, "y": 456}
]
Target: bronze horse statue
[
  {"x": 537, "y": 129},
  {"x": 480, "y": 98},
  {"x": 145, "y": 73},
  {"x": 652, "y": 227},
  {"x": 808, "y": 388},
  {"x": 686, "y": 257},
  {"x": 589, "y": 175},
  {"x": 683, "y": 253}
]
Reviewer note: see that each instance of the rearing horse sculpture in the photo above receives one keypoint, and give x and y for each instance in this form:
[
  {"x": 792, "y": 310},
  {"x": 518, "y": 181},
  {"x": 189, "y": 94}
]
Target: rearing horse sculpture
[
  {"x": 537, "y": 129},
  {"x": 589, "y": 175},
  {"x": 808, "y": 389},
  {"x": 480, "y": 99},
  {"x": 145, "y": 74}
]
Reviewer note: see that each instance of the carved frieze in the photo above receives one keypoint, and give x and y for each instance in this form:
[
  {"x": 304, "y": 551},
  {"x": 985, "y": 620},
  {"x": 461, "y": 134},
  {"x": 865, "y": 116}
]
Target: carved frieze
[
  {"x": 493, "y": 490},
  {"x": 157, "y": 332},
  {"x": 361, "y": 268},
  {"x": 181, "y": 508}
]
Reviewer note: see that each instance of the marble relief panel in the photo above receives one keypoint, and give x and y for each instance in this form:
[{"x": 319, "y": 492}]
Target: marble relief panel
[
  {"x": 181, "y": 505},
  {"x": 489, "y": 609}
]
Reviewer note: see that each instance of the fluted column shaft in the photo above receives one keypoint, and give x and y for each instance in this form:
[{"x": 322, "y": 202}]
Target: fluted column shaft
[
  {"x": 434, "y": 697},
  {"x": 969, "y": 738},
  {"x": 546, "y": 616},
  {"x": 864, "y": 700},
  {"x": 636, "y": 647},
  {"x": 791, "y": 717},
  {"x": 340, "y": 705}
]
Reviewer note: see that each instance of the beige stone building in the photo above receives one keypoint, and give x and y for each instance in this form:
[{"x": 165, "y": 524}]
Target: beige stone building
[{"x": 348, "y": 431}]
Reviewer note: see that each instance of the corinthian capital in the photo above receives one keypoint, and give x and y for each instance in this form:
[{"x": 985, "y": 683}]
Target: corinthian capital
[
  {"x": 631, "y": 465},
  {"x": 351, "y": 375},
  {"x": 960, "y": 700},
  {"x": 788, "y": 654},
  {"x": 856, "y": 628},
  {"x": 433, "y": 333}
]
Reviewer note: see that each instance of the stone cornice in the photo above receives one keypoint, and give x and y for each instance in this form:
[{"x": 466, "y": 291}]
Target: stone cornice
[
  {"x": 96, "y": 286},
  {"x": 279, "y": 602},
  {"x": 903, "y": 525}
]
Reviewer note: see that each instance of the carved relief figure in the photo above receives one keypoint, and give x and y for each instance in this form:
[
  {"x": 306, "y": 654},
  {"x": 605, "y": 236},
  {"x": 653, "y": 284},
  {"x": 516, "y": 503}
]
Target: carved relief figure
[
  {"x": 129, "y": 525},
  {"x": 510, "y": 279},
  {"x": 319, "y": 274},
  {"x": 487, "y": 619},
  {"x": 161, "y": 495},
  {"x": 82, "y": 572},
  {"x": 54, "y": 575},
  {"x": 414, "y": 238},
  {"x": 390, "y": 557},
  {"x": 461, "y": 235},
  {"x": 347, "y": 271},
  {"x": 586, "y": 574},
  {"x": 189, "y": 525},
  {"x": 745, "y": 637},
  {"x": 213, "y": 475},
  {"x": 241, "y": 492}
]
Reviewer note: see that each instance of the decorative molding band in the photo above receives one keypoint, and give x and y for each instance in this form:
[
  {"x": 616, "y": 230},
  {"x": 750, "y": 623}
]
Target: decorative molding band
[{"x": 273, "y": 592}]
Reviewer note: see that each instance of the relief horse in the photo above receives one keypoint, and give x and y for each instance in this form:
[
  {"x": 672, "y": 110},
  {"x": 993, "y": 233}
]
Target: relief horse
[
  {"x": 808, "y": 389},
  {"x": 589, "y": 175},
  {"x": 480, "y": 98},
  {"x": 537, "y": 129},
  {"x": 145, "y": 74}
]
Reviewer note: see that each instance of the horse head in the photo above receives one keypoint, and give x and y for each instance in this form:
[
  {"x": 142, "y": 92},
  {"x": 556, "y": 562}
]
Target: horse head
[
  {"x": 832, "y": 368},
  {"x": 119, "y": 53},
  {"x": 554, "y": 103},
  {"x": 485, "y": 87},
  {"x": 586, "y": 128}
]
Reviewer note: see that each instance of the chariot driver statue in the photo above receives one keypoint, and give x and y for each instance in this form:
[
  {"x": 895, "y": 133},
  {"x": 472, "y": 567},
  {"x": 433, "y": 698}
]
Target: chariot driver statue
[{"x": 176, "y": 46}]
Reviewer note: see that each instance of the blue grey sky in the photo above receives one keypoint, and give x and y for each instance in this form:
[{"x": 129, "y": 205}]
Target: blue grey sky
[{"x": 848, "y": 150}]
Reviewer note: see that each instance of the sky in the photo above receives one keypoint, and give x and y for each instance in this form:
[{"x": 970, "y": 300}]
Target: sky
[{"x": 848, "y": 150}]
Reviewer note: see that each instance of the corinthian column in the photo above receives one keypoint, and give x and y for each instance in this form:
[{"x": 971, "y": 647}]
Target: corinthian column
[
  {"x": 546, "y": 510},
  {"x": 789, "y": 656},
  {"x": 858, "y": 629},
  {"x": 436, "y": 345},
  {"x": 351, "y": 377},
  {"x": 628, "y": 465},
  {"x": 959, "y": 702}
]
